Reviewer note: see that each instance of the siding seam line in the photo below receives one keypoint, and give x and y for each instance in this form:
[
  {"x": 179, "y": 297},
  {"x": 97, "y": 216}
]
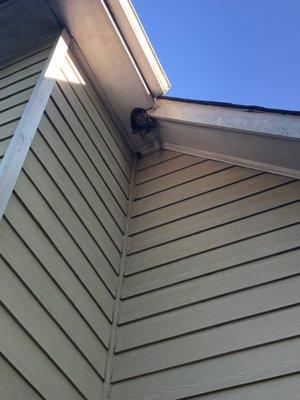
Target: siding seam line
[
  {"x": 21, "y": 375},
  {"x": 38, "y": 157},
  {"x": 24, "y": 68},
  {"x": 53, "y": 319},
  {"x": 54, "y": 280},
  {"x": 244, "y": 349},
  {"x": 6, "y": 138},
  {"x": 172, "y": 172},
  {"x": 18, "y": 92},
  {"x": 234, "y": 200},
  {"x": 223, "y": 168},
  {"x": 251, "y": 383},
  {"x": 62, "y": 223},
  {"x": 197, "y": 195},
  {"x": 184, "y": 236},
  {"x": 213, "y": 248},
  {"x": 94, "y": 85},
  {"x": 41, "y": 348},
  {"x": 23, "y": 78},
  {"x": 116, "y": 312},
  {"x": 87, "y": 132},
  {"x": 160, "y": 162},
  {"x": 58, "y": 109},
  {"x": 21, "y": 57},
  {"x": 65, "y": 143},
  {"x": 206, "y": 299},
  {"x": 99, "y": 131},
  {"x": 227, "y": 268},
  {"x": 65, "y": 260},
  {"x": 15, "y": 105},
  {"x": 9, "y": 122},
  {"x": 166, "y": 339}
]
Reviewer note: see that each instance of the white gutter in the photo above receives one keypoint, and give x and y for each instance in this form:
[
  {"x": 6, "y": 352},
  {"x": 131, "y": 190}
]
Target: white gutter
[
  {"x": 232, "y": 119},
  {"x": 137, "y": 40}
]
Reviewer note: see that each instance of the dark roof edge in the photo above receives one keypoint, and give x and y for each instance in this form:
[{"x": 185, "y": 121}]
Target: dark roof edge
[{"x": 232, "y": 105}]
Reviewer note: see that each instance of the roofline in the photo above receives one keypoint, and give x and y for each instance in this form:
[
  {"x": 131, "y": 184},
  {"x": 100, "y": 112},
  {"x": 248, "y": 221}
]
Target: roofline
[
  {"x": 233, "y": 105},
  {"x": 125, "y": 77},
  {"x": 139, "y": 44},
  {"x": 240, "y": 118},
  {"x": 265, "y": 141}
]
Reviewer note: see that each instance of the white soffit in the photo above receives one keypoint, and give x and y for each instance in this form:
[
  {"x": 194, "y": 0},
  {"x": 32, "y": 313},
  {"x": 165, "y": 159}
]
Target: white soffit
[
  {"x": 262, "y": 140},
  {"x": 103, "y": 46}
]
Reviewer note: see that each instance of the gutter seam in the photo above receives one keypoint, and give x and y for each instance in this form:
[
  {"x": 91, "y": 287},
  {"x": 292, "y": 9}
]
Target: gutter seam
[{"x": 242, "y": 107}]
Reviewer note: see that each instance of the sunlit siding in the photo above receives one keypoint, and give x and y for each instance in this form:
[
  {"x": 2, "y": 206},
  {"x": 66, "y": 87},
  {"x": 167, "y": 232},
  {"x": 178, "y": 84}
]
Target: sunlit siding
[
  {"x": 61, "y": 240},
  {"x": 17, "y": 80},
  {"x": 211, "y": 295}
]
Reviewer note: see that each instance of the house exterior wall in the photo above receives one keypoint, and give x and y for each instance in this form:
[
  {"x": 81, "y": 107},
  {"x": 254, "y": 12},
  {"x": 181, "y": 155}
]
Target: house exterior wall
[
  {"x": 210, "y": 303},
  {"x": 17, "y": 80},
  {"x": 210, "y": 298},
  {"x": 61, "y": 241}
]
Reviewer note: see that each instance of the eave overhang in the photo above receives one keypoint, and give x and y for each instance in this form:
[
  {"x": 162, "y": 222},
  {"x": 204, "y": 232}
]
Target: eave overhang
[
  {"x": 140, "y": 46},
  {"x": 250, "y": 136},
  {"x": 107, "y": 36},
  {"x": 110, "y": 41},
  {"x": 112, "y": 61}
]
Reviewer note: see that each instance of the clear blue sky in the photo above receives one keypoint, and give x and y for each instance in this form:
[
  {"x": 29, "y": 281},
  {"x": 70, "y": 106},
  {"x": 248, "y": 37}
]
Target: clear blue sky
[{"x": 239, "y": 51}]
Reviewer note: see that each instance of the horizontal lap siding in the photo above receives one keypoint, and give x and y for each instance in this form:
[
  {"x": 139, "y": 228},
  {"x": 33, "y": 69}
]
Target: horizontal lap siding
[
  {"x": 61, "y": 240},
  {"x": 155, "y": 159},
  {"x": 211, "y": 301},
  {"x": 17, "y": 81},
  {"x": 13, "y": 386},
  {"x": 249, "y": 366},
  {"x": 286, "y": 387},
  {"x": 209, "y": 219}
]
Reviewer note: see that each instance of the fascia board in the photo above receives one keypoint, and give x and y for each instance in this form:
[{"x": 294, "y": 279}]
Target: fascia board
[
  {"x": 242, "y": 120},
  {"x": 95, "y": 31},
  {"x": 140, "y": 45}
]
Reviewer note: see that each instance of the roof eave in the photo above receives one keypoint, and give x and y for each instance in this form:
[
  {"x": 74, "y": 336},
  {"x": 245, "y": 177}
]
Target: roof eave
[
  {"x": 124, "y": 83},
  {"x": 140, "y": 46},
  {"x": 236, "y": 118},
  {"x": 268, "y": 141}
]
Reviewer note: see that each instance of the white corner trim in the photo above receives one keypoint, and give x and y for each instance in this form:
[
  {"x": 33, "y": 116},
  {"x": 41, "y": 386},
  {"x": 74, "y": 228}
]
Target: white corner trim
[
  {"x": 140, "y": 45},
  {"x": 18, "y": 148},
  {"x": 117, "y": 303},
  {"x": 233, "y": 160}
]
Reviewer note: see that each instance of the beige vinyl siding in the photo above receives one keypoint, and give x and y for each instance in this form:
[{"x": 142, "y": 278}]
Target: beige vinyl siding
[
  {"x": 61, "y": 241},
  {"x": 17, "y": 80},
  {"x": 13, "y": 386},
  {"x": 211, "y": 302},
  {"x": 155, "y": 159}
]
